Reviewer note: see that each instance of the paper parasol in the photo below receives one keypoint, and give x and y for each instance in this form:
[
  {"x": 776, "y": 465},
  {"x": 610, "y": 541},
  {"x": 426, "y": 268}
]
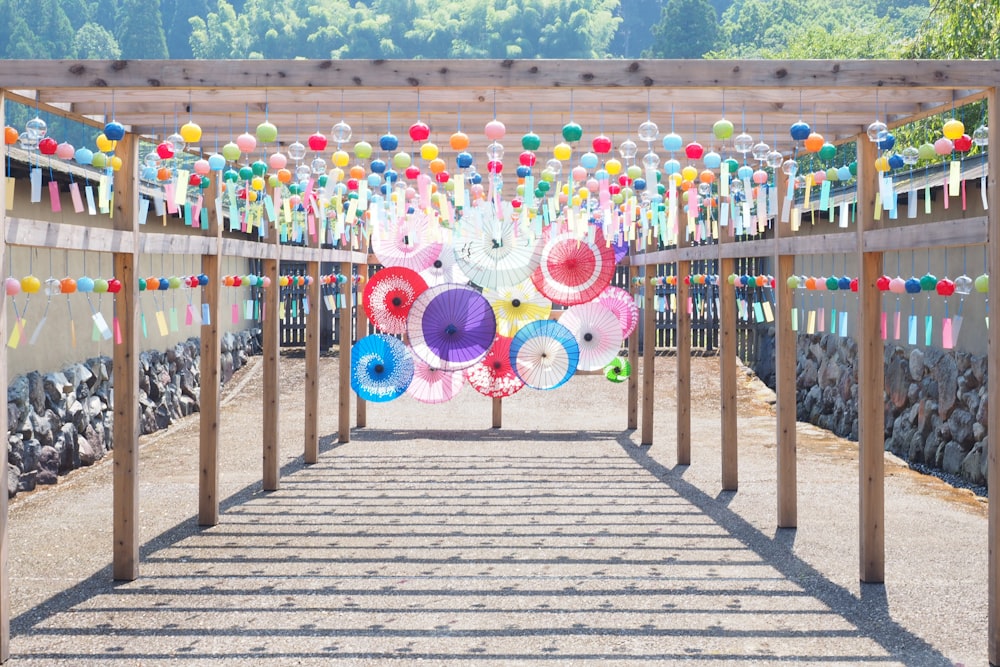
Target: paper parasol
[
  {"x": 622, "y": 304},
  {"x": 573, "y": 270},
  {"x": 407, "y": 243},
  {"x": 432, "y": 385},
  {"x": 444, "y": 269},
  {"x": 381, "y": 368},
  {"x": 494, "y": 376},
  {"x": 491, "y": 252},
  {"x": 618, "y": 370},
  {"x": 388, "y": 296},
  {"x": 544, "y": 354},
  {"x": 597, "y": 332},
  {"x": 451, "y": 327},
  {"x": 516, "y": 306}
]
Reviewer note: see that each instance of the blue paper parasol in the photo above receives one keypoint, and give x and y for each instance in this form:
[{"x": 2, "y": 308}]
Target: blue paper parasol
[
  {"x": 544, "y": 354},
  {"x": 381, "y": 368},
  {"x": 451, "y": 327}
]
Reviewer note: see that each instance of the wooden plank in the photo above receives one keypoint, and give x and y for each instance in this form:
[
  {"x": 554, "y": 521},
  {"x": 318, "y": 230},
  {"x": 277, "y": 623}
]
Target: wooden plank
[
  {"x": 871, "y": 380},
  {"x": 727, "y": 363},
  {"x": 360, "y": 404},
  {"x": 947, "y": 233},
  {"x": 648, "y": 353},
  {"x": 633, "y": 357},
  {"x": 60, "y": 236},
  {"x": 125, "y": 371},
  {"x": 248, "y": 249},
  {"x": 497, "y": 413},
  {"x": 4, "y": 536},
  {"x": 311, "y": 451},
  {"x": 195, "y": 75},
  {"x": 271, "y": 334},
  {"x": 993, "y": 395},
  {"x": 153, "y": 243},
  {"x": 294, "y": 253},
  {"x": 683, "y": 333},
  {"x": 820, "y": 244},
  {"x": 344, "y": 350},
  {"x": 211, "y": 376},
  {"x": 752, "y": 248},
  {"x": 785, "y": 246}
]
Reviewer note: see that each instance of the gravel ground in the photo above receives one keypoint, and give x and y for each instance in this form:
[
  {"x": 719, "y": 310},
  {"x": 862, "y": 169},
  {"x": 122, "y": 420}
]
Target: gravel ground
[{"x": 555, "y": 540}]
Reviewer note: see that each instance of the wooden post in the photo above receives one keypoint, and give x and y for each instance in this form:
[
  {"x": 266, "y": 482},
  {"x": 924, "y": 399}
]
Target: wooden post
[
  {"x": 271, "y": 332},
  {"x": 683, "y": 333},
  {"x": 497, "y": 413},
  {"x": 785, "y": 340},
  {"x": 360, "y": 404},
  {"x": 993, "y": 420},
  {"x": 310, "y": 453},
  {"x": 344, "y": 412},
  {"x": 727, "y": 362},
  {"x": 4, "y": 565},
  {"x": 648, "y": 351},
  {"x": 871, "y": 379},
  {"x": 125, "y": 369},
  {"x": 209, "y": 403},
  {"x": 633, "y": 358}
]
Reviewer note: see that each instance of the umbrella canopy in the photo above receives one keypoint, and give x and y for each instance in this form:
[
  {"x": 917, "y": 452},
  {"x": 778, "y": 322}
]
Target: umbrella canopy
[
  {"x": 597, "y": 332},
  {"x": 451, "y": 327},
  {"x": 433, "y": 385},
  {"x": 544, "y": 354},
  {"x": 491, "y": 252},
  {"x": 444, "y": 269},
  {"x": 574, "y": 270},
  {"x": 388, "y": 296},
  {"x": 516, "y": 306},
  {"x": 621, "y": 303},
  {"x": 410, "y": 242},
  {"x": 494, "y": 376},
  {"x": 381, "y": 368},
  {"x": 618, "y": 370}
]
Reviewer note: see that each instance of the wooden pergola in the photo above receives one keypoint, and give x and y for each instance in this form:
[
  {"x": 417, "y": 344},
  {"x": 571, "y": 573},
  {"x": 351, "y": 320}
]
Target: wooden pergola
[{"x": 610, "y": 97}]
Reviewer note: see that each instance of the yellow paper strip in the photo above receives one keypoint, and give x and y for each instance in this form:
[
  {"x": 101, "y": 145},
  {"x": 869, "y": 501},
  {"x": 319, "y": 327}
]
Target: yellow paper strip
[
  {"x": 954, "y": 178},
  {"x": 181, "y": 192},
  {"x": 459, "y": 190},
  {"x": 808, "y": 193},
  {"x": 15, "y": 334},
  {"x": 161, "y": 323},
  {"x": 878, "y": 205},
  {"x": 811, "y": 323},
  {"x": 9, "y": 188}
]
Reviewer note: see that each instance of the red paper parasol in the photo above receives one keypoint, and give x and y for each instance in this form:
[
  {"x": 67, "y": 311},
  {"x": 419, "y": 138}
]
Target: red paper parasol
[
  {"x": 574, "y": 270},
  {"x": 494, "y": 376},
  {"x": 388, "y": 296}
]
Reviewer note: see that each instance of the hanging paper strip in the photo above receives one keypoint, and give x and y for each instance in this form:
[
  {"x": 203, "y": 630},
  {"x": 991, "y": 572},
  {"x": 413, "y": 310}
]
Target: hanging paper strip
[
  {"x": 843, "y": 323},
  {"x": 206, "y": 315},
  {"x": 91, "y": 207},
  {"x": 36, "y": 184},
  {"x": 54, "y": 202},
  {"x": 795, "y": 319},
  {"x": 947, "y": 337},
  {"x": 9, "y": 193},
  {"x": 911, "y": 330}
]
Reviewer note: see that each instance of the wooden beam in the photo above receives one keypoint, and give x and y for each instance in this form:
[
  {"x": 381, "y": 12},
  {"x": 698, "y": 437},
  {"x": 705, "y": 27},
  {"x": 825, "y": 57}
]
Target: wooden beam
[
  {"x": 648, "y": 352},
  {"x": 727, "y": 363},
  {"x": 633, "y": 357},
  {"x": 344, "y": 351},
  {"x": 4, "y": 557},
  {"x": 61, "y": 236},
  {"x": 871, "y": 379},
  {"x": 152, "y": 243},
  {"x": 683, "y": 333},
  {"x": 271, "y": 332},
  {"x": 819, "y": 244},
  {"x": 497, "y": 413},
  {"x": 785, "y": 357},
  {"x": 248, "y": 249},
  {"x": 361, "y": 325},
  {"x": 993, "y": 389},
  {"x": 211, "y": 376},
  {"x": 947, "y": 233},
  {"x": 125, "y": 369},
  {"x": 311, "y": 450}
]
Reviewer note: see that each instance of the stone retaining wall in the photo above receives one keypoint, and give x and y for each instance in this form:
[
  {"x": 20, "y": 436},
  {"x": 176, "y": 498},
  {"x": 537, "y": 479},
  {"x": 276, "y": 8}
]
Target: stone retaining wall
[
  {"x": 935, "y": 401},
  {"x": 61, "y": 421}
]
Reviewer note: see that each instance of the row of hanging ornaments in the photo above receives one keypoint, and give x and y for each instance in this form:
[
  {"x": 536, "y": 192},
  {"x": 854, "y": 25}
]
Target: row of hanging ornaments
[{"x": 597, "y": 173}]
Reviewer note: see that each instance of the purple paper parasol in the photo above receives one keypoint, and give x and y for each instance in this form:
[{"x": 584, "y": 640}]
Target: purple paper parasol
[{"x": 451, "y": 327}]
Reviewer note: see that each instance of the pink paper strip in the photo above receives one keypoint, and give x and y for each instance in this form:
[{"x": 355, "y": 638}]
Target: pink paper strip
[
  {"x": 896, "y": 329},
  {"x": 168, "y": 194},
  {"x": 118, "y": 331},
  {"x": 944, "y": 188},
  {"x": 946, "y": 337},
  {"x": 189, "y": 315},
  {"x": 963, "y": 195},
  {"x": 236, "y": 314},
  {"x": 54, "y": 196},
  {"x": 74, "y": 193},
  {"x": 885, "y": 327}
]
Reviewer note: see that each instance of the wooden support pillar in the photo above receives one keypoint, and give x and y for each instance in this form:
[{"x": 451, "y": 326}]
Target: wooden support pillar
[
  {"x": 271, "y": 332},
  {"x": 360, "y": 404},
  {"x": 683, "y": 332},
  {"x": 310, "y": 452},
  {"x": 497, "y": 413},
  {"x": 727, "y": 362},
  {"x": 211, "y": 371},
  {"x": 344, "y": 412},
  {"x": 648, "y": 352},
  {"x": 125, "y": 368},
  {"x": 871, "y": 379},
  {"x": 633, "y": 358},
  {"x": 785, "y": 341},
  {"x": 993, "y": 388},
  {"x": 4, "y": 564}
]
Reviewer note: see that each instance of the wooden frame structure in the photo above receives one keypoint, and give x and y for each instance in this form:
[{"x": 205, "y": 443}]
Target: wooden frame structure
[{"x": 527, "y": 95}]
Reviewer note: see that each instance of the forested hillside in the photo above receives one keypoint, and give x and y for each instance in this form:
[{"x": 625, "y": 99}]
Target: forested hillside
[{"x": 497, "y": 28}]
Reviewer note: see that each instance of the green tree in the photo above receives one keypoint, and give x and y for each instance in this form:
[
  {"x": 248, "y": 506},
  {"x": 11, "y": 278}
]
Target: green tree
[
  {"x": 969, "y": 29},
  {"x": 687, "y": 29},
  {"x": 635, "y": 35},
  {"x": 177, "y": 26},
  {"x": 139, "y": 30},
  {"x": 92, "y": 41}
]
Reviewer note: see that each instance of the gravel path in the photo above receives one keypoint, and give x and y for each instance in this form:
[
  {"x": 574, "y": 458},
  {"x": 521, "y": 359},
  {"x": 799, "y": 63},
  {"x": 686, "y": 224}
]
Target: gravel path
[{"x": 555, "y": 540}]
